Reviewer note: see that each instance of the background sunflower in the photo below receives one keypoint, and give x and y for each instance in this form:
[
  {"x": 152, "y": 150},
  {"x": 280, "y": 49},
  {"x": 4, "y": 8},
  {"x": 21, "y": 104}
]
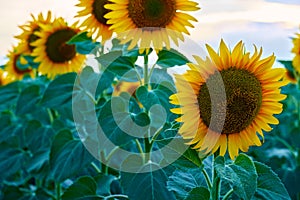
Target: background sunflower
[
  {"x": 296, "y": 51},
  {"x": 17, "y": 66},
  {"x": 95, "y": 23},
  {"x": 28, "y": 32},
  {"x": 53, "y": 52},
  {"x": 149, "y": 22},
  {"x": 252, "y": 90}
]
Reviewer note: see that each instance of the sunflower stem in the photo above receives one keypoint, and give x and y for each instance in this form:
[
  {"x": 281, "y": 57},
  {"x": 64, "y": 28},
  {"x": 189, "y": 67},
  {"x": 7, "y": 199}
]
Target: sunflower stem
[
  {"x": 228, "y": 194},
  {"x": 151, "y": 70},
  {"x": 146, "y": 76},
  {"x": 58, "y": 191},
  {"x": 206, "y": 176},
  {"x": 51, "y": 117},
  {"x": 148, "y": 147},
  {"x": 95, "y": 167},
  {"x": 104, "y": 168}
]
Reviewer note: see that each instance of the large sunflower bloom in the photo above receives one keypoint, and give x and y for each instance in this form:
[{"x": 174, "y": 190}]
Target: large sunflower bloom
[
  {"x": 28, "y": 32},
  {"x": 17, "y": 66},
  {"x": 53, "y": 52},
  {"x": 95, "y": 23},
  {"x": 251, "y": 98},
  {"x": 150, "y": 21},
  {"x": 296, "y": 51}
]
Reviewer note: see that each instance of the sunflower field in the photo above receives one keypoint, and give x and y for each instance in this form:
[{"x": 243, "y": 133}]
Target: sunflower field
[{"x": 115, "y": 106}]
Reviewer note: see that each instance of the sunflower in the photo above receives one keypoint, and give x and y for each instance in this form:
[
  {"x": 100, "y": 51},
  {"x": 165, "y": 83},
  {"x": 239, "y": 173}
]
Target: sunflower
[
  {"x": 296, "y": 50},
  {"x": 53, "y": 52},
  {"x": 246, "y": 95},
  {"x": 149, "y": 21},
  {"x": 17, "y": 66},
  {"x": 95, "y": 23},
  {"x": 28, "y": 35},
  {"x": 124, "y": 86}
]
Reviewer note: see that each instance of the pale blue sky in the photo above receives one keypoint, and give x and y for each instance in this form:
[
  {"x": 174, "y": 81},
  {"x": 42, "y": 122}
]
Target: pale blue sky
[{"x": 266, "y": 23}]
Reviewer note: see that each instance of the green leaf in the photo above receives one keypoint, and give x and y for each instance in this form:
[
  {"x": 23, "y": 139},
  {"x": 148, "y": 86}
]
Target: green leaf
[
  {"x": 158, "y": 96},
  {"x": 150, "y": 178},
  {"x": 118, "y": 64},
  {"x": 83, "y": 188},
  {"x": 269, "y": 186},
  {"x": 198, "y": 193},
  {"x": 28, "y": 100},
  {"x": 171, "y": 58},
  {"x": 67, "y": 156},
  {"x": 38, "y": 140},
  {"x": 12, "y": 160},
  {"x": 182, "y": 182},
  {"x": 93, "y": 84},
  {"x": 9, "y": 94},
  {"x": 104, "y": 184},
  {"x": 59, "y": 91},
  {"x": 116, "y": 122},
  {"x": 84, "y": 44},
  {"x": 287, "y": 64},
  {"x": 241, "y": 175}
]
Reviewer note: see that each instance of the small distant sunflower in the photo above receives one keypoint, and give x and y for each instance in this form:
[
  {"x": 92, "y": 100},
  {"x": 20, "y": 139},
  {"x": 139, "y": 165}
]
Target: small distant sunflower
[
  {"x": 53, "y": 52},
  {"x": 28, "y": 35},
  {"x": 296, "y": 50},
  {"x": 124, "y": 86},
  {"x": 17, "y": 66},
  {"x": 95, "y": 23},
  {"x": 252, "y": 90},
  {"x": 150, "y": 21}
]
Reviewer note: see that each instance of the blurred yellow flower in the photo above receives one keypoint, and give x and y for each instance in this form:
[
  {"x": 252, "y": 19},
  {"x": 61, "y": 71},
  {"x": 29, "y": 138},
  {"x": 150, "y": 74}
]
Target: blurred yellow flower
[
  {"x": 17, "y": 66},
  {"x": 28, "y": 32},
  {"x": 296, "y": 51}
]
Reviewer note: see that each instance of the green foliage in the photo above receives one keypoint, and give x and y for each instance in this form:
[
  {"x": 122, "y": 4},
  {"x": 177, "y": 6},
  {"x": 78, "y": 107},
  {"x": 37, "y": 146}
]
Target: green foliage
[
  {"x": 43, "y": 144},
  {"x": 83, "y": 44},
  {"x": 171, "y": 58},
  {"x": 269, "y": 185},
  {"x": 151, "y": 185}
]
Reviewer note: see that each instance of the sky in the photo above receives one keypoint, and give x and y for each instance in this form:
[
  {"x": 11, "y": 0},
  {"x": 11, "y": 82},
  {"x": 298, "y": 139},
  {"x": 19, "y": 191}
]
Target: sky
[{"x": 265, "y": 23}]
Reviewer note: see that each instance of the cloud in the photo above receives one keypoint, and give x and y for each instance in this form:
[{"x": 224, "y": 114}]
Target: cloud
[{"x": 285, "y": 1}]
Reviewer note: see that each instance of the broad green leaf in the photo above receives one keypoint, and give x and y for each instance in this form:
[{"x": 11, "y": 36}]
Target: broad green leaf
[
  {"x": 83, "y": 188},
  {"x": 12, "y": 159},
  {"x": 198, "y": 193},
  {"x": 117, "y": 122},
  {"x": 93, "y": 84},
  {"x": 182, "y": 182},
  {"x": 28, "y": 100},
  {"x": 59, "y": 91},
  {"x": 287, "y": 64},
  {"x": 9, "y": 94},
  {"x": 269, "y": 186},
  {"x": 38, "y": 140},
  {"x": 83, "y": 43},
  {"x": 104, "y": 183},
  {"x": 68, "y": 156},
  {"x": 158, "y": 96},
  {"x": 162, "y": 77},
  {"x": 148, "y": 182},
  {"x": 118, "y": 64},
  {"x": 171, "y": 58},
  {"x": 241, "y": 175}
]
